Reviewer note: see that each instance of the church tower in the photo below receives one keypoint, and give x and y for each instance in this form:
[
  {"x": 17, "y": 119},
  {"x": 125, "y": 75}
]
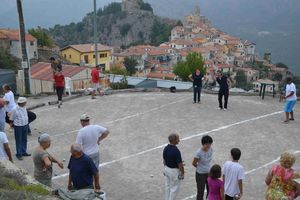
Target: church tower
[{"x": 197, "y": 11}]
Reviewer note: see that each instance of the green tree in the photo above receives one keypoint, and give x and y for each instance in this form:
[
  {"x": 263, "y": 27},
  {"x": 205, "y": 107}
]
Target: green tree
[
  {"x": 281, "y": 65},
  {"x": 118, "y": 70},
  {"x": 124, "y": 29},
  {"x": 7, "y": 61},
  {"x": 277, "y": 76},
  {"x": 144, "y": 6},
  {"x": 130, "y": 65},
  {"x": 160, "y": 32},
  {"x": 42, "y": 38},
  {"x": 241, "y": 79},
  {"x": 184, "y": 68}
]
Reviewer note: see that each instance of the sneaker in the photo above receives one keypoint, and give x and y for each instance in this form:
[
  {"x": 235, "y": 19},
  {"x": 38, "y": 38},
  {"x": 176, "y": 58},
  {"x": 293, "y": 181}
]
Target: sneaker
[
  {"x": 26, "y": 154},
  {"x": 194, "y": 102},
  {"x": 199, "y": 102},
  {"x": 225, "y": 109},
  {"x": 19, "y": 157},
  {"x": 219, "y": 108}
]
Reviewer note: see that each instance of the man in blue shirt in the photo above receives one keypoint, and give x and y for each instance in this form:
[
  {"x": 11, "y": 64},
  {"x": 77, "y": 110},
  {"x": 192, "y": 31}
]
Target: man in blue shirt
[
  {"x": 197, "y": 79},
  {"x": 225, "y": 84},
  {"x": 174, "y": 170},
  {"x": 82, "y": 170}
]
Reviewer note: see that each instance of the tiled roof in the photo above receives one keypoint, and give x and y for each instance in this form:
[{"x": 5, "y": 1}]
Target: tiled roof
[
  {"x": 200, "y": 50},
  {"x": 83, "y": 48},
  {"x": 157, "y": 51},
  {"x": 14, "y": 35},
  {"x": 182, "y": 42},
  {"x": 43, "y": 71}
]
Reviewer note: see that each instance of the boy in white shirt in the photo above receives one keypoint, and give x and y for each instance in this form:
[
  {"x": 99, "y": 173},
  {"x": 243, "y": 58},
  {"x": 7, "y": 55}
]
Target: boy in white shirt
[
  {"x": 233, "y": 175},
  {"x": 290, "y": 99}
]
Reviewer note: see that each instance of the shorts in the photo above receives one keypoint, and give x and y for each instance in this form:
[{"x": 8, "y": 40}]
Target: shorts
[
  {"x": 96, "y": 159},
  {"x": 289, "y": 106},
  {"x": 96, "y": 86}
]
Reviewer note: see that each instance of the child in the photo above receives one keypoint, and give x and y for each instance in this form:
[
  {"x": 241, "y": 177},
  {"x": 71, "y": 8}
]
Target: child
[
  {"x": 202, "y": 162},
  {"x": 233, "y": 175},
  {"x": 215, "y": 185}
]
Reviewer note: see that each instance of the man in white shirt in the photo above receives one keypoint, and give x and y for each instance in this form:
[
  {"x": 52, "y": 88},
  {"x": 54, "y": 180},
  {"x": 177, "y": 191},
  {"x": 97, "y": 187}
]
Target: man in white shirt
[
  {"x": 291, "y": 99},
  {"x": 5, "y": 152},
  {"x": 89, "y": 137},
  {"x": 10, "y": 101},
  {"x": 20, "y": 121},
  {"x": 233, "y": 175}
]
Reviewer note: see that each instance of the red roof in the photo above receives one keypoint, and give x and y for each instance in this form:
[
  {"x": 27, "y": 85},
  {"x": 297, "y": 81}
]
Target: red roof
[
  {"x": 43, "y": 71},
  {"x": 14, "y": 35},
  {"x": 83, "y": 48}
]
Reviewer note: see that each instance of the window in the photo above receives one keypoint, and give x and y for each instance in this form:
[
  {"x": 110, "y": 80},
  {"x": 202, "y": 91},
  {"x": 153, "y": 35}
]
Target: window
[
  {"x": 65, "y": 56},
  {"x": 70, "y": 56},
  {"x": 86, "y": 59},
  {"x": 31, "y": 43},
  {"x": 103, "y": 55},
  {"x": 94, "y": 56}
]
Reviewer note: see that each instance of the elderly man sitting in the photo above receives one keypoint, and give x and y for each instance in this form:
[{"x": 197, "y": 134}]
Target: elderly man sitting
[{"x": 82, "y": 170}]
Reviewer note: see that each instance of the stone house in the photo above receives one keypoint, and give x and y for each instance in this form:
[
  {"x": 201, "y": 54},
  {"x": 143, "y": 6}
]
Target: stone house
[{"x": 10, "y": 39}]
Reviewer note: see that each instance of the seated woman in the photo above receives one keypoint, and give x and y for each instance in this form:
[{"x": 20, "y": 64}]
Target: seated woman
[{"x": 280, "y": 179}]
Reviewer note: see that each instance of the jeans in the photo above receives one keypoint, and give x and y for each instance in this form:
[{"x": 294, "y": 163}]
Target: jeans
[
  {"x": 222, "y": 93},
  {"x": 201, "y": 180},
  {"x": 59, "y": 92},
  {"x": 21, "y": 139},
  {"x": 2, "y": 126},
  {"x": 197, "y": 91},
  {"x": 172, "y": 183}
]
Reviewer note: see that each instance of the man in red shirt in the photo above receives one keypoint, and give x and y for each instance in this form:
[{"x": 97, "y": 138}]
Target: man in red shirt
[
  {"x": 59, "y": 81},
  {"x": 95, "y": 81}
]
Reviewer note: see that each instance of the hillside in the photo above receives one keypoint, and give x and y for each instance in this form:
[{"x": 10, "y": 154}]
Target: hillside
[
  {"x": 272, "y": 24},
  {"x": 117, "y": 25}
]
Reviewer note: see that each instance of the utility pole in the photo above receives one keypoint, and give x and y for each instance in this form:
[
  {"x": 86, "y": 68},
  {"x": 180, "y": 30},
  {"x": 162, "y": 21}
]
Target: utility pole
[
  {"x": 25, "y": 63},
  {"x": 95, "y": 34}
]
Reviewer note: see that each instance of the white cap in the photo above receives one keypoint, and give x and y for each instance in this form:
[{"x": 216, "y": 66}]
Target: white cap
[
  {"x": 84, "y": 117},
  {"x": 22, "y": 100},
  {"x": 45, "y": 137}
]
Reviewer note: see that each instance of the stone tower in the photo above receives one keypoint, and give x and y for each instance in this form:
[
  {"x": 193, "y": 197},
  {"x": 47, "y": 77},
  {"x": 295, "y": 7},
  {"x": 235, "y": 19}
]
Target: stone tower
[{"x": 129, "y": 5}]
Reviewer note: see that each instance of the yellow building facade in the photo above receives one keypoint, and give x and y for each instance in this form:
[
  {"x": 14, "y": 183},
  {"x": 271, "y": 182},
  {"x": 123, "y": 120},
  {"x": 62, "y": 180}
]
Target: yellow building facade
[{"x": 84, "y": 55}]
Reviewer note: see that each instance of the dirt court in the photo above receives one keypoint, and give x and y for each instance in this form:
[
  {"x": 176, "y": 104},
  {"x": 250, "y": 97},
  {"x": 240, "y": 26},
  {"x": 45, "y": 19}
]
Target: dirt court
[{"x": 139, "y": 124}]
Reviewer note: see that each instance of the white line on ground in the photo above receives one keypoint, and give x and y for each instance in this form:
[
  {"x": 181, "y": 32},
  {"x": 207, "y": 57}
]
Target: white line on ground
[
  {"x": 183, "y": 139},
  {"x": 248, "y": 172}
]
